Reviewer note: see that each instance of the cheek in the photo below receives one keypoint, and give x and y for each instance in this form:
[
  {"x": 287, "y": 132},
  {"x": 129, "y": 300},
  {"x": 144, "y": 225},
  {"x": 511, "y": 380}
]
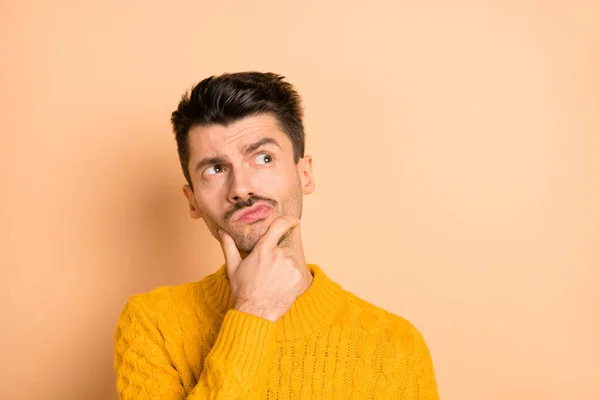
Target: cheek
[
  {"x": 276, "y": 182},
  {"x": 288, "y": 186},
  {"x": 211, "y": 208}
]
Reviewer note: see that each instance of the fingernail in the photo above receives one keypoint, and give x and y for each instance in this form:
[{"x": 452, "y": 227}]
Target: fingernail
[{"x": 220, "y": 232}]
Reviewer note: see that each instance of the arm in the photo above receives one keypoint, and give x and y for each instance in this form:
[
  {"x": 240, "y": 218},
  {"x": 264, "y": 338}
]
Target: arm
[
  {"x": 268, "y": 280},
  {"x": 233, "y": 368},
  {"x": 419, "y": 380}
]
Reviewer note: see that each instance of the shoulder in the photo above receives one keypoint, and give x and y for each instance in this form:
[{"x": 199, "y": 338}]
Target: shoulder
[
  {"x": 166, "y": 301},
  {"x": 397, "y": 330},
  {"x": 406, "y": 357}
]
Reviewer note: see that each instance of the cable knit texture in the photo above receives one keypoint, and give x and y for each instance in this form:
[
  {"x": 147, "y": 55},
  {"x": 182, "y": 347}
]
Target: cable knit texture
[{"x": 186, "y": 342}]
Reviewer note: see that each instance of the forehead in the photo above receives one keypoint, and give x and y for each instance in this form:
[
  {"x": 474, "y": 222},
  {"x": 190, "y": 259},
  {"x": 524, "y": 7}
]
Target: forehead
[{"x": 214, "y": 140}]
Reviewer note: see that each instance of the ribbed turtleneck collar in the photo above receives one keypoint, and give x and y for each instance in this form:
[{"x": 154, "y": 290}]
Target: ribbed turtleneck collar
[{"x": 311, "y": 310}]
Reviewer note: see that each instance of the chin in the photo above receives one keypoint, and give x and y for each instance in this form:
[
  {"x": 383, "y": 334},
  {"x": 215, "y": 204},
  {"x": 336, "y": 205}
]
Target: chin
[
  {"x": 246, "y": 245},
  {"x": 247, "y": 239}
]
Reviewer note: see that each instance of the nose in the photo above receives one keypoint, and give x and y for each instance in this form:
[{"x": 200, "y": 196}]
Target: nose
[{"x": 240, "y": 186}]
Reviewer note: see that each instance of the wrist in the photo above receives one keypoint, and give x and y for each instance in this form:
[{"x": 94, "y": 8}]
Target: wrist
[{"x": 256, "y": 310}]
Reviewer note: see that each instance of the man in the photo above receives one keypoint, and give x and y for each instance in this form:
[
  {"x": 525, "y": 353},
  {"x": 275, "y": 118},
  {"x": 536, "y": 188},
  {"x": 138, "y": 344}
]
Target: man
[{"x": 266, "y": 325}]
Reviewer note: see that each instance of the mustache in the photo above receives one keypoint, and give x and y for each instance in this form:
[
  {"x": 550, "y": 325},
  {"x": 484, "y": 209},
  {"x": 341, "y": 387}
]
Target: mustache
[{"x": 248, "y": 203}]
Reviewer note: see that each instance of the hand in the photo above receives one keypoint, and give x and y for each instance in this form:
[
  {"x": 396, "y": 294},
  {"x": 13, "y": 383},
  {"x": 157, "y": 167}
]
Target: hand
[{"x": 268, "y": 281}]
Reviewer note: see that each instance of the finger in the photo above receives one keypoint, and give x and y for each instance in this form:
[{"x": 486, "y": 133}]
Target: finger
[
  {"x": 291, "y": 238},
  {"x": 277, "y": 230},
  {"x": 230, "y": 252}
]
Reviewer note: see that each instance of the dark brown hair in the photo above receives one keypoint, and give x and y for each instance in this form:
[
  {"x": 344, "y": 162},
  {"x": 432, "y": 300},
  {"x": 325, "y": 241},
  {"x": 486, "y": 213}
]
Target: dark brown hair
[{"x": 227, "y": 98}]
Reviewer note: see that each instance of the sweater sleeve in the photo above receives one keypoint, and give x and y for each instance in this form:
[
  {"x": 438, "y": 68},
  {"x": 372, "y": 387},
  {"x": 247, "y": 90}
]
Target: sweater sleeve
[
  {"x": 420, "y": 378},
  {"x": 233, "y": 368}
]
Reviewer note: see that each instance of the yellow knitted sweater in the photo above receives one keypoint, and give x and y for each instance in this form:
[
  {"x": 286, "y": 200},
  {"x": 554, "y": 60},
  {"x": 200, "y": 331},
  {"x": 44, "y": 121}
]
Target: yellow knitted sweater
[{"x": 186, "y": 342}]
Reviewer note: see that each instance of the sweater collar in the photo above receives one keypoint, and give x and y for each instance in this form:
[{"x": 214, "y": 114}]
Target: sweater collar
[{"x": 312, "y": 309}]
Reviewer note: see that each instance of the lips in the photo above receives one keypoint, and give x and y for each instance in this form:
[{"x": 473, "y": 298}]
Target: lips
[{"x": 253, "y": 214}]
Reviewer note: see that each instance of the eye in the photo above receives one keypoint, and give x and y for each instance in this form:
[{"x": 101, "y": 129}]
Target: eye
[
  {"x": 215, "y": 169},
  {"x": 263, "y": 158}
]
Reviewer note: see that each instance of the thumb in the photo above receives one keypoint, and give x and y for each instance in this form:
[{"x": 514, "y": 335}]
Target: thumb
[
  {"x": 292, "y": 238},
  {"x": 230, "y": 252}
]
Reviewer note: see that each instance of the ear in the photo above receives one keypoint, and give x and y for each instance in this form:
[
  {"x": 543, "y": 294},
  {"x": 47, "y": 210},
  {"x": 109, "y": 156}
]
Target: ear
[
  {"x": 194, "y": 209},
  {"x": 306, "y": 174}
]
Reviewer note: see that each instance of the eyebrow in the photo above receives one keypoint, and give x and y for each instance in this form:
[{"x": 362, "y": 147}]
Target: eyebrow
[
  {"x": 260, "y": 143},
  {"x": 206, "y": 161}
]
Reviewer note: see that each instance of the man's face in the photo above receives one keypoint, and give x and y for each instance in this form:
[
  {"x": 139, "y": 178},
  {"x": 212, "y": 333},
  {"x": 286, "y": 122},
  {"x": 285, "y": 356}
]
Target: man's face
[{"x": 244, "y": 177}]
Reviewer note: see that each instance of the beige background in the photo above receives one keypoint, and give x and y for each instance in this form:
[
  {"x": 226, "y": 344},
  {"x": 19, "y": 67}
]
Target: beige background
[{"x": 456, "y": 152}]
